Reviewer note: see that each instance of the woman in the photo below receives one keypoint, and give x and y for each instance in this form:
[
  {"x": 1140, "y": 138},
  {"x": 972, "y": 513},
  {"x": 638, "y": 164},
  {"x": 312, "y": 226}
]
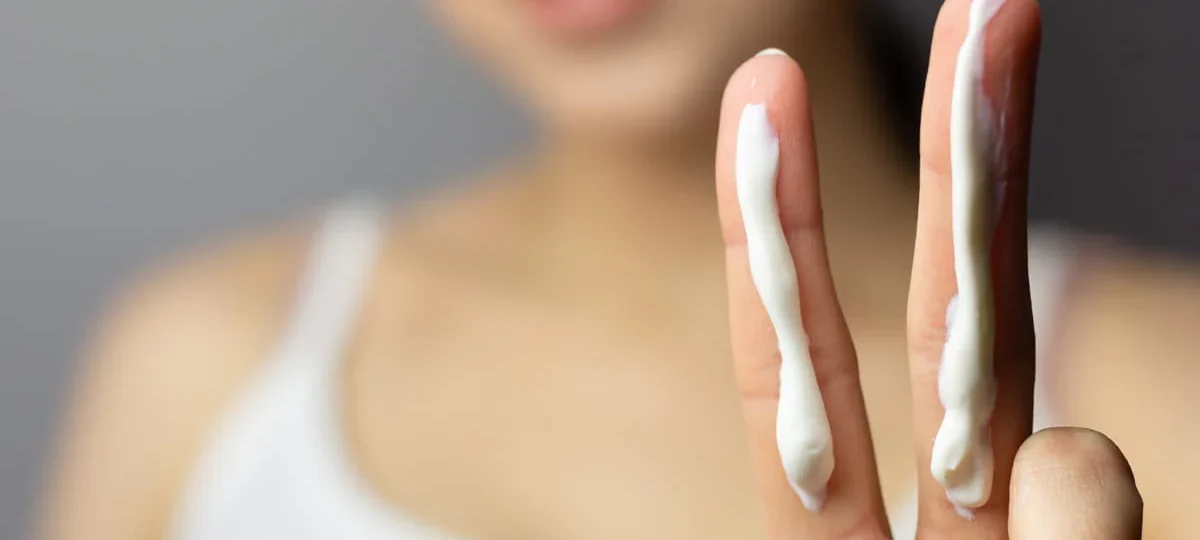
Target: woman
[{"x": 546, "y": 354}]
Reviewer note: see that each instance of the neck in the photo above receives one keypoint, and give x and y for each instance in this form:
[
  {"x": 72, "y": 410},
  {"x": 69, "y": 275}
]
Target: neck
[{"x": 642, "y": 213}]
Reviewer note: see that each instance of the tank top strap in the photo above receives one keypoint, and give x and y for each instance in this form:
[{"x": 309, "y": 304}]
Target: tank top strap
[{"x": 334, "y": 283}]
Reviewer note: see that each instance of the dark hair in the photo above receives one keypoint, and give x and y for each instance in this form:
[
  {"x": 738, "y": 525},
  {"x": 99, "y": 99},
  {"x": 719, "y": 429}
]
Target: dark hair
[{"x": 900, "y": 63}]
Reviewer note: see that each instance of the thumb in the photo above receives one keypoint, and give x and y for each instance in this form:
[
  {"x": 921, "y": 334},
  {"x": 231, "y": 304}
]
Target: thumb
[{"x": 1073, "y": 483}]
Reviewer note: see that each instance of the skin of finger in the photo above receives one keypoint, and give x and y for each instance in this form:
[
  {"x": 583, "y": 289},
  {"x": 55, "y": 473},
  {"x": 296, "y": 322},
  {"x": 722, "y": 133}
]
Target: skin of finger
[
  {"x": 1011, "y": 48},
  {"x": 1073, "y": 483},
  {"x": 854, "y": 507}
]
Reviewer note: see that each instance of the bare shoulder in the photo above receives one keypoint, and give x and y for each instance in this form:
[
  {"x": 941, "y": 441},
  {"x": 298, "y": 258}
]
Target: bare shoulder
[
  {"x": 204, "y": 315},
  {"x": 180, "y": 340},
  {"x": 1151, "y": 301},
  {"x": 217, "y": 298},
  {"x": 171, "y": 350},
  {"x": 1130, "y": 367}
]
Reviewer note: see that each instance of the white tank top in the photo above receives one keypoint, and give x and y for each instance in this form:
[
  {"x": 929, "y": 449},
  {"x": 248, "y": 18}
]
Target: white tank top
[{"x": 277, "y": 467}]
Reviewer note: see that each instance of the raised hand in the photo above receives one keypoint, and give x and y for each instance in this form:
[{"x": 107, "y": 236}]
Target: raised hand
[{"x": 787, "y": 325}]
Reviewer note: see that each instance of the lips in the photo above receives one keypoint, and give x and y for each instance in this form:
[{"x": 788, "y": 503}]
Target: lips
[{"x": 578, "y": 17}]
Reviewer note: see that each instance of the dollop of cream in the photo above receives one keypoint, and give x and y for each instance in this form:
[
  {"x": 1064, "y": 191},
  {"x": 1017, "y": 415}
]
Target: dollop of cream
[
  {"x": 962, "y": 458},
  {"x": 802, "y": 427}
]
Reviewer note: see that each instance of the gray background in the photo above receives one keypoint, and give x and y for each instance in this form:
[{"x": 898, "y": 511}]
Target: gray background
[{"x": 129, "y": 128}]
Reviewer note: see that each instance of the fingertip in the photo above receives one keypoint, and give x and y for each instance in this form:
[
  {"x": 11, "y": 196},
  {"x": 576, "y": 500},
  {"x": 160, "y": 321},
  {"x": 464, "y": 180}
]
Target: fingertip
[
  {"x": 771, "y": 52},
  {"x": 952, "y": 19},
  {"x": 762, "y": 77},
  {"x": 1012, "y": 45},
  {"x": 1071, "y": 448},
  {"x": 1073, "y": 482},
  {"x": 1018, "y": 21},
  {"x": 775, "y": 81}
]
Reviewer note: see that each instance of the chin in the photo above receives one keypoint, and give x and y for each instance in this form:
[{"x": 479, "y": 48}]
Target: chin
[
  {"x": 640, "y": 71},
  {"x": 654, "y": 102}
]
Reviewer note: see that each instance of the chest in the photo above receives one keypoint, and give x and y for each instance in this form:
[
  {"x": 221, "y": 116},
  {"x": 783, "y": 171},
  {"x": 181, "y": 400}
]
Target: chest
[{"x": 535, "y": 427}]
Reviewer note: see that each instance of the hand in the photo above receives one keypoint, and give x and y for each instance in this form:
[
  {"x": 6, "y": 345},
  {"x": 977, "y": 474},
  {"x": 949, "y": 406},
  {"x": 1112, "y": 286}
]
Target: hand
[{"x": 1061, "y": 483}]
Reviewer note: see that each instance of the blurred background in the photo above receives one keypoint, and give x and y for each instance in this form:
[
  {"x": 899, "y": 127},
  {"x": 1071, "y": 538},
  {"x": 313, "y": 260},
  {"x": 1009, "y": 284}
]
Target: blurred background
[{"x": 130, "y": 129}]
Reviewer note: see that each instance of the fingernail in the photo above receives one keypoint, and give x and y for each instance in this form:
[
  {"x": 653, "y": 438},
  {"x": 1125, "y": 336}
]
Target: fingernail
[{"x": 771, "y": 52}]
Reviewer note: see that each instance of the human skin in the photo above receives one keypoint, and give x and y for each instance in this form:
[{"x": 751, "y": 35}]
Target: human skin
[
  {"x": 853, "y": 508},
  {"x": 516, "y": 314}
]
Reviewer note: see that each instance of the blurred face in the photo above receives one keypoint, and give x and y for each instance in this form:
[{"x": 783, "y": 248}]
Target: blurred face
[{"x": 624, "y": 69}]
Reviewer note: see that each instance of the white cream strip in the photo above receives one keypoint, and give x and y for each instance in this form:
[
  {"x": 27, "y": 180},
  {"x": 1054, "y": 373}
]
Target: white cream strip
[
  {"x": 962, "y": 451},
  {"x": 802, "y": 429}
]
